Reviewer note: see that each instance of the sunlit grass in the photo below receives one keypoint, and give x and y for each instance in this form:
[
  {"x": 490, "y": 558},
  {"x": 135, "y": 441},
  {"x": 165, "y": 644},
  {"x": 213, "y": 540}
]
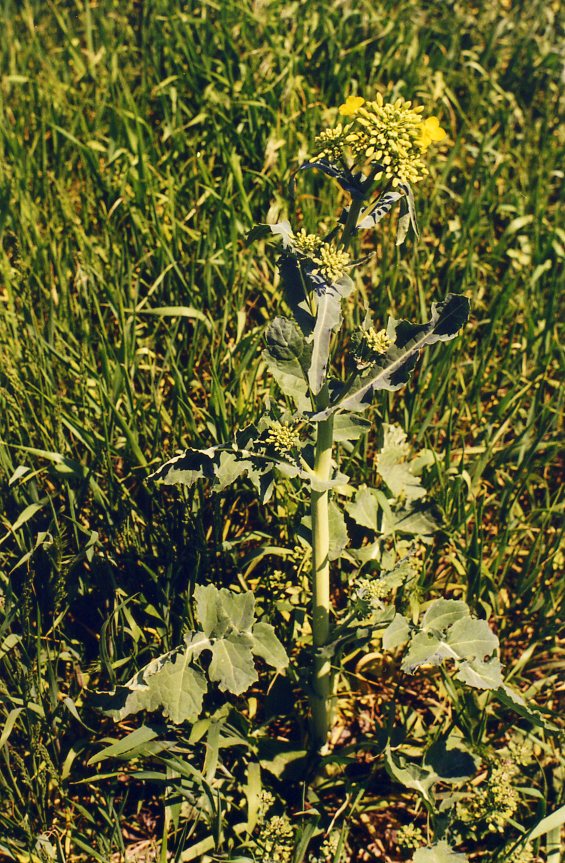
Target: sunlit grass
[{"x": 138, "y": 144}]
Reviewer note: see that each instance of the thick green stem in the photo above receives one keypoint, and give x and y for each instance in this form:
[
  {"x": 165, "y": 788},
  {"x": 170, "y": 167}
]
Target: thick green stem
[
  {"x": 322, "y": 679},
  {"x": 322, "y": 682}
]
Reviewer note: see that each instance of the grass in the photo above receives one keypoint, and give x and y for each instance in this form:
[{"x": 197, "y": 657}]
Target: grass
[{"x": 138, "y": 144}]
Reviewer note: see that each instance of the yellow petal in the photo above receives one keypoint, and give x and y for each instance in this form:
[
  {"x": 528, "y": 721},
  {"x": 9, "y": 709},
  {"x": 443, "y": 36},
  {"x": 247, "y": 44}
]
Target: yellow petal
[{"x": 351, "y": 105}]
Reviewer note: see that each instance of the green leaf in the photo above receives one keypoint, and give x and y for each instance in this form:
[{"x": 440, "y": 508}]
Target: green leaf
[
  {"x": 481, "y": 674},
  {"x": 210, "y": 611},
  {"x": 512, "y": 699},
  {"x": 268, "y": 647},
  {"x": 126, "y": 746},
  {"x": 239, "y": 609},
  {"x": 396, "y": 632},
  {"x": 471, "y": 638},
  {"x": 364, "y": 509},
  {"x": 443, "y": 612},
  {"x": 450, "y": 760},
  {"x": 416, "y": 522},
  {"x": 262, "y": 231},
  {"x": 339, "y": 537},
  {"x": 392, "y": 370},
  {"x": 395, "y": 468},
  {"x": 232, "y": 663},
  {"x": 425, "y": 649},
  {"x": 328, "y": 319},
  {"x": 440, "y": 853},
  {"x": 349, "y": 427},
  {"x": 372, "y": 215},
  {"x": 168, "y": 683},
  {"x": 230, "y": 467},
  {"x": 285, "y": 341},
  {"x": 224, "y": 463},
  {"x": 420, "y": 779},
  {"x": 548, "y": 824},
  {"x": 290, "y": 380}
]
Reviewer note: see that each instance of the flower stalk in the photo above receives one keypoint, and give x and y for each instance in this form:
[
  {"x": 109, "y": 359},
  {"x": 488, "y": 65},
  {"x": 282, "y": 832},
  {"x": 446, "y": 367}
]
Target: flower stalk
[{"x": 322, "y": 683}]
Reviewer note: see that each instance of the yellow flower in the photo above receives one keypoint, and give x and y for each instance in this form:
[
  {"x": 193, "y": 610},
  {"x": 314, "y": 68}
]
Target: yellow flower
[
  {"x": 430, "y": 130},
  {"x": 351, "y": 106}
]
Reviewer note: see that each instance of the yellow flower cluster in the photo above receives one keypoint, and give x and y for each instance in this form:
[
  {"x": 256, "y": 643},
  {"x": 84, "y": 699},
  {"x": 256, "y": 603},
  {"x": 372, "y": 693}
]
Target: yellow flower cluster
[
  {"x": 282, "y": 437},
  {"x": 496, "y": 802},
  {"x": 331, "y": 262},
  {"x": 373, "y": 590},
  {"x": 377, "y": 341},
  {"x": 393, "y": 136},
  {"x": 331, "y": 143},
  {"x": 277, "y": 839},
  {"x": 410, "y": 836},
  {"x": 306, "y": 244}
]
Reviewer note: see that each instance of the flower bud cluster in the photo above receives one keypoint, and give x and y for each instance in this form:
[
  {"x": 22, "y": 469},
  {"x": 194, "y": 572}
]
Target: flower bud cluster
[
  {"x": 390, "y": 136},
  {"x": 331, "y": 262},
  {"x": 283, "y": 438},
  {"x": 372, "y": 590},
  {"x": 378, "y": 341},
  {"x": 410, "y": 836},
  {"x": 277, "y": 839},
  {"x": 331, "y": 143},
  {"x": 496, "y": 802}
]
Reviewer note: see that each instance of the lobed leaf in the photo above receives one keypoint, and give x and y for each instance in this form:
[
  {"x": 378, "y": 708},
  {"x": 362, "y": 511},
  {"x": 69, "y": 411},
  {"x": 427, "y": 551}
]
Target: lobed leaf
[
  {"x": 225, "y": 463},
  {"x": 392, "y": 370},
  {"x": 372, "y": 215},
  {"x": 328, "y": 319},
  {"x": 440, "y": 853},
  {"x": 396, "y": 469}
]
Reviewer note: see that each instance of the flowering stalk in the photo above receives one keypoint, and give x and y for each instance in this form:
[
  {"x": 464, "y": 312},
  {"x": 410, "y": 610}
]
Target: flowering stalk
[{"x": 322, "y": 682}]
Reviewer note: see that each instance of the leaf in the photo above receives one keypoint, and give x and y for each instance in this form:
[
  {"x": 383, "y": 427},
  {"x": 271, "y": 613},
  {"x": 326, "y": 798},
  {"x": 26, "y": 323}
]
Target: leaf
[
  {"x": 260, "y": 231},
  {"x": 232, "y": 665},
  {"x": 349, "y": 427},
  {"x": 481, "y": 674},
  {"x": 411, "y": 204},
  {"x": 374, "y": 215},
  {"x": 223, "y": 464},
  {"x": 403, "y": 227},
  {"x": 352, "y": 183},
  {"x": 450, "y": 760},
  {"x": 396, "y": 632},
  {"x": 443, "y": 612},
  {"x": 268, "y": 647},
  {"x": 417, "y": 522},
  {"x": 239, "y": 609},
  {"x": 471, "y": 638},
  {"x": 392, "y": 370},
  {"x": 364, "y": 509},
  {"x": 440, "y": 853},
  {"x": 548, "y": 824},
  {"x": 284, "y": 340},
  {"x": 128, "y": 744},
  {"x": 512, "y": 699},
  {"x": 420, "y": 779},
  {"x": 290, "y": 380},
  {"x": 425, "y": 649},
  {"x": 168, "y": 683},
  {"x": 230, "y": 467},
  {"x": 339, "y": 537},
  {"x": 295, "y": 291},
  {"x": 209, "y": 610},
  {"x": 395, "y": 469},
  {"x": 328, "y": 319}
]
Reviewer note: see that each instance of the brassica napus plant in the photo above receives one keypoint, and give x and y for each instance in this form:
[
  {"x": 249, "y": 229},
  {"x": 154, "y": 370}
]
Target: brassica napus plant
[{"x": 376, "y": 151}]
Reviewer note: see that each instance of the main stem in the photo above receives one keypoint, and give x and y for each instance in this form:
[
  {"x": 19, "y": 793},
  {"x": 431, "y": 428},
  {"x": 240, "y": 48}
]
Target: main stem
[{"x": 322, "y": 681}]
